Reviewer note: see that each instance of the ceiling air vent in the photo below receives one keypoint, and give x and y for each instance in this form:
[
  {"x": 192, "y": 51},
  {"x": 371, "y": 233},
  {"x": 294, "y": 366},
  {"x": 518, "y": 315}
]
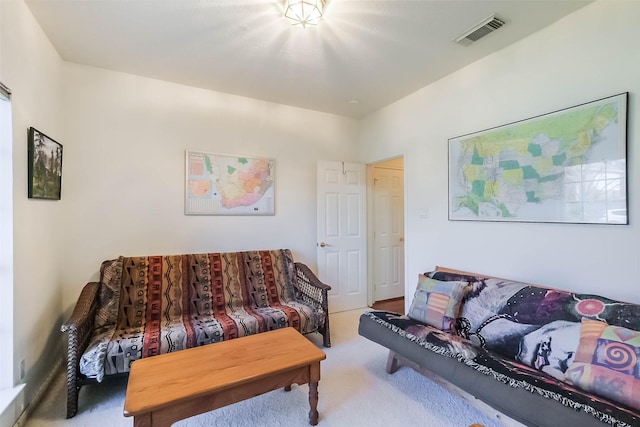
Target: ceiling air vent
[{"x": 480, "y": 30}]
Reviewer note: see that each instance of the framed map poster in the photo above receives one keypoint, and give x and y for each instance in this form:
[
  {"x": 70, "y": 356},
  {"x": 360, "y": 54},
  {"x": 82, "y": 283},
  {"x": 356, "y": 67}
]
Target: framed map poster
[
  {"x": 568, "y": 166},
  {"x": 218, "y": 184}
]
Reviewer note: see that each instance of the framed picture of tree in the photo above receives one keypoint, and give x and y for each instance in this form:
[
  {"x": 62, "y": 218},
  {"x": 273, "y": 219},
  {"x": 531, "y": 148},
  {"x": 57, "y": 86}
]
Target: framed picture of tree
[{"x": 45, "y": 166}]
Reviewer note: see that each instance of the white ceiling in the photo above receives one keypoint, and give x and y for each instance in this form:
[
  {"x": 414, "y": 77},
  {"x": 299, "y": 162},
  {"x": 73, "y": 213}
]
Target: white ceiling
[{"x": 374, "y": 51}]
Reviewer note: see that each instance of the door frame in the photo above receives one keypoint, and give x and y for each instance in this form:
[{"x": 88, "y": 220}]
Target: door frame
[{"x": 371, "y": 225}]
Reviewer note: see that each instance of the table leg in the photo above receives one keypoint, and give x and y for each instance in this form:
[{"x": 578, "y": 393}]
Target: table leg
[
  {"x": 143, "y": 420},
  {"x": 313, "y": 403}
]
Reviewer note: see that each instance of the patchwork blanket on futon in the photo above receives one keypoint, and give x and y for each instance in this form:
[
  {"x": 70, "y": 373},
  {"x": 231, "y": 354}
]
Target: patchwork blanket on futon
[
  {"x": 160, "y": 304},
  {"x": 505, "y": 369},
  {"x": 544, "y": 340}
]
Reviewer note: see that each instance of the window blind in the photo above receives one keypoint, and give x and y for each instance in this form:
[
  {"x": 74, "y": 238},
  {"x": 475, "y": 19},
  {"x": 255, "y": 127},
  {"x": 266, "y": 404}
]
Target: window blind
[{"x": 5, "y": 92}]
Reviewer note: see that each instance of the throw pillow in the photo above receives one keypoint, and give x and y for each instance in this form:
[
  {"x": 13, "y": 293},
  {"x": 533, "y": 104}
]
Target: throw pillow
[
  {"x": 437, "y": 303},
  {"x": 607, "y": 362}
]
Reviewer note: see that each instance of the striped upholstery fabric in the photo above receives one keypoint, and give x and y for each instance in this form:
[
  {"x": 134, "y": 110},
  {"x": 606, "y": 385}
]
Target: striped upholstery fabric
[{"x": 170, "y": 303}]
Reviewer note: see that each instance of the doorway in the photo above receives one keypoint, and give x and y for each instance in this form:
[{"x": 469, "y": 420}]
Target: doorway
[{"x": 386, "y": 232}]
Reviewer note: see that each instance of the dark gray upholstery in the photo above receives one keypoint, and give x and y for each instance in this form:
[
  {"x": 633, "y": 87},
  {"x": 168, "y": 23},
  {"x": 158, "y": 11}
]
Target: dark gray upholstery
[{"x": 526, "y": 407}]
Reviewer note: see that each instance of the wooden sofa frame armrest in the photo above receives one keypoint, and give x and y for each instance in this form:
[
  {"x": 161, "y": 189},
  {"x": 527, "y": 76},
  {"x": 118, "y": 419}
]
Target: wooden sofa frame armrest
[
  {"x": 78, "y": 329},
  {"x": 312, "y": 291}
]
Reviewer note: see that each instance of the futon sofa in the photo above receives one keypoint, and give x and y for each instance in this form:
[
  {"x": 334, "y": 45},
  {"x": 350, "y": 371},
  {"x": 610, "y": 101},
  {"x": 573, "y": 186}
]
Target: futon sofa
[
  {"x": 150, "y": 305},
  {"x": 525, "y": 354}
]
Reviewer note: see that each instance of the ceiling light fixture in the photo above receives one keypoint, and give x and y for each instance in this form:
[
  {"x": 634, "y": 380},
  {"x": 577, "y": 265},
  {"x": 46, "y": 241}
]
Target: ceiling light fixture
[{"x": 304, "y": 12}]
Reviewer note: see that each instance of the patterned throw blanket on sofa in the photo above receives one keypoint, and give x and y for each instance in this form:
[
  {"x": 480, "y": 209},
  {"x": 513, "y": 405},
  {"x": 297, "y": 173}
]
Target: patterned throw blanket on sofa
[
  {"x": 525, "y": 336},
  {"x": 506, "y": 370},
  {"x": 160, "y": 304}
]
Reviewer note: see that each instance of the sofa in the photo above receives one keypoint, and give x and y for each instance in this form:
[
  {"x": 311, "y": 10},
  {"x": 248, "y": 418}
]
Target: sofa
[
  {"x": 149, "y": 305},
  {"x": 525, "y": 354}
]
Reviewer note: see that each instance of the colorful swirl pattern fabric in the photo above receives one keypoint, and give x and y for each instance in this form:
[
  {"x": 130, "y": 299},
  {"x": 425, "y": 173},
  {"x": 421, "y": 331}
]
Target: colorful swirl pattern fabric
[
  {"x": 506, "y": 370},
  {"x": 606, "y": 362}
]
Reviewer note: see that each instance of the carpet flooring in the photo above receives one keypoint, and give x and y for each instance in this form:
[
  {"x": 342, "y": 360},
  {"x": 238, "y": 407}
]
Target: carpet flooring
[{"x": 354, "y": 391}]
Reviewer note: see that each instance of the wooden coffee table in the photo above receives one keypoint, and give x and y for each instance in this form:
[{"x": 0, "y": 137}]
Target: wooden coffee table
[{"x": 167, "y": 388}]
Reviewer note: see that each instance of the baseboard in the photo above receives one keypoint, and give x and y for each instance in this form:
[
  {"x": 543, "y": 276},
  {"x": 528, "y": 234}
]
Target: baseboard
[
  {"x": 39, "y": 394},
  {"x": 10, "y": 400}
]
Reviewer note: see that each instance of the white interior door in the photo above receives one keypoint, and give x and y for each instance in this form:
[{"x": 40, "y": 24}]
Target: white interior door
[
  {"x": 388, "y": 233},
  {"x": 341, "y": 254}
]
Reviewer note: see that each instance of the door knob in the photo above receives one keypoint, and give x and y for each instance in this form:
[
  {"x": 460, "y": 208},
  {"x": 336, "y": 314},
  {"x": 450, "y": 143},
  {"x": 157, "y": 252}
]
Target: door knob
[{"x": 323, "y": 244}]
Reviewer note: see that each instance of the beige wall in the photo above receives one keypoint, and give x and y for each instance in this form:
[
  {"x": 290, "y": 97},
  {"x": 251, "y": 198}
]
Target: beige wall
[
  {"x": 33, "y": 70},
  {"x": 123, "y": 175},
  {"x": 124, "y": 141},
  {"x": 588, "y": 55},
  {"x": 125, "y": 169}
]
